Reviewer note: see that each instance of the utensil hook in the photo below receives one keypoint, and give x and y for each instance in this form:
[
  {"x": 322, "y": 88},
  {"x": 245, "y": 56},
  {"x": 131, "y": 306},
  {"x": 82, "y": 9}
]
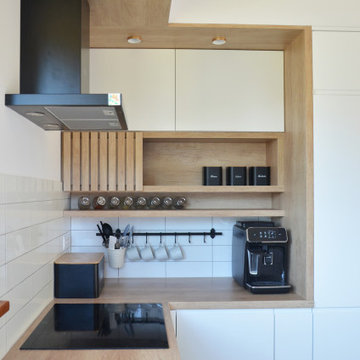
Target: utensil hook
[
  {"x": 189, "y": 237},
  {"x": 204, "y": 238},
  {"x": 160, "y": 238},
  {"x": 146, "y": 238},
  {"x": 175, "y": 235}
]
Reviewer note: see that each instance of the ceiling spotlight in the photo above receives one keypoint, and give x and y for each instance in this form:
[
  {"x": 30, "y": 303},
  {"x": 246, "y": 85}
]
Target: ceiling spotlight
[
  {"x": 219, "y": 40},
  {"x": 134, "y": 40},
  {"x": 35, "y": 113}
]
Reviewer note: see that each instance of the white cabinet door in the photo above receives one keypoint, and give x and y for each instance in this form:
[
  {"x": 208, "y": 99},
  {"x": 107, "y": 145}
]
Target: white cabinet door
[
  {"x": 229, "y": 90},
  {"x": 293, "y": 334},
  {"x": 146, "y": 80},
  {"x": 336, "y": 334},
  {"x": 336, "y": 200},
  {"x": 225, "y": 334},
  {"x": 336, "y": 57},
  {"x": 173, "y": 319}
]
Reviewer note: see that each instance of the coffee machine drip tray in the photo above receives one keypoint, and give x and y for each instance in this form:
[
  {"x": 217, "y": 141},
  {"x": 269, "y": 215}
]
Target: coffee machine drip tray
[
  {"x": 267, "y": 287},
  {"x": 100, "y": 326}
]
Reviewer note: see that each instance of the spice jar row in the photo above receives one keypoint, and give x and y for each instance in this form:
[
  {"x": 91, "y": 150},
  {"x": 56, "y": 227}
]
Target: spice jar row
[{"x": 114, "y": 202}]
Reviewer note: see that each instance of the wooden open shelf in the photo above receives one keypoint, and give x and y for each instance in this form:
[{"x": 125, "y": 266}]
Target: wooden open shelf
[
  {"x": 177, "y": 213},
  {"x": 213, "y": 189},
  {"x": 171, "y": 162}
]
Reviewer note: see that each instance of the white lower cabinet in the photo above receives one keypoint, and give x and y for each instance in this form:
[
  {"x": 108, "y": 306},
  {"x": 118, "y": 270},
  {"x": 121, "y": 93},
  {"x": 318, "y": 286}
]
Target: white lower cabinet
[
  {"x": 225, "y": 334},
  {"x": 173, "y": 319},
  {"x": 336, "y": 334},
  {"x": 293, "y": 334}
]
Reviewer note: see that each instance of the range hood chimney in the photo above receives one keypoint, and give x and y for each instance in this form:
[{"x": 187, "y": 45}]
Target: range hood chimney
[{"x": 54, "y": 70}]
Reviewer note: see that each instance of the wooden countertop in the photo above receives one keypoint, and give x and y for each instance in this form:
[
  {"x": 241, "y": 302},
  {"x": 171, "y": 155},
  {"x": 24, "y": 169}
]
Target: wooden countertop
[
  {"x": 79, "y": 258},
  {"x": 4, "y": 307},
  {"x": 175, "y": 293}
]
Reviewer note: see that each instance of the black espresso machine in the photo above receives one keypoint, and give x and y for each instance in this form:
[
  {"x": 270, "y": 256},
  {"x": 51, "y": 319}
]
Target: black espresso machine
[{"x": 260, "y": 257}]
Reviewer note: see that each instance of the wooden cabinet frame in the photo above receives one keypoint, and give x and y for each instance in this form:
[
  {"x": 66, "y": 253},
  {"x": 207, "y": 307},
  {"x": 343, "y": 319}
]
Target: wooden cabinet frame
[{"x": 292, "y": 196}]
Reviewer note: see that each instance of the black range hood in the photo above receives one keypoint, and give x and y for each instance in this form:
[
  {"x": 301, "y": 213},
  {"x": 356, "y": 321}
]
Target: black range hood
[{"x": 54, "y": 70}]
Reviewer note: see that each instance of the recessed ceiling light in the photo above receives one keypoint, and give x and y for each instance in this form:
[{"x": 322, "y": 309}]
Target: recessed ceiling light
[
  {"x": 51, "y": 126},
  {"x": 219, "y": 40},
  {"x": 134, "y": 40},
  {"x": 35, "y": 113}
]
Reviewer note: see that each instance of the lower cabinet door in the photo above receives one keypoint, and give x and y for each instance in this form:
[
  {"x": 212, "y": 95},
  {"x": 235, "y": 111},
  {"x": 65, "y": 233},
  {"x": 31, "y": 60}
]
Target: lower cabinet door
[
  {"x": 293, "y": 334},
  {"x": 225, "y": 334},
  {"x": 336, "y": 334}
]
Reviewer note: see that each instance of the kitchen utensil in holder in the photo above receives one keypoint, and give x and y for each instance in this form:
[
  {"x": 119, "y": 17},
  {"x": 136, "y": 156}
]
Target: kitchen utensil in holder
[{"x": 116, "y": 257}]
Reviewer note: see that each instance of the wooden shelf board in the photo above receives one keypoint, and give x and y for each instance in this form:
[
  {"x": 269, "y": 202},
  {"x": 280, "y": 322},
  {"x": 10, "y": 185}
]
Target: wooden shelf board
[
  {"x": 4, "y": 307},
  {"x": 213, "y": 189},
  {"x": 177, "y": 213}
]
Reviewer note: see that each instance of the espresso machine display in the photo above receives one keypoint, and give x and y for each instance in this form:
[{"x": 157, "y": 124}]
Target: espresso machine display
[{"x": 260, "y": 258}]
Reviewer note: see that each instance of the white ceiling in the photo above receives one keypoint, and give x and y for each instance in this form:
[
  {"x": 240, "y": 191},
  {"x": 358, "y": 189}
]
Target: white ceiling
[{"x": 318, "y": 13}]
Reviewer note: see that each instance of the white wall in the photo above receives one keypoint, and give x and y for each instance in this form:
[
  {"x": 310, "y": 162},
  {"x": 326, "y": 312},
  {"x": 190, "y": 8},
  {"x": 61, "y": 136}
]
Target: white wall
[
  {"x": 33, "y": 232},
  {"x": 25, "y": 149}
]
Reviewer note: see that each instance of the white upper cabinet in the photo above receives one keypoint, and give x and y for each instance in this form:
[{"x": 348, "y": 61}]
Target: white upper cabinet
[
  {"x": 336, "y": 58},
  {"x": 229, "y": 90},
  {"x": 146, "y": 78}
]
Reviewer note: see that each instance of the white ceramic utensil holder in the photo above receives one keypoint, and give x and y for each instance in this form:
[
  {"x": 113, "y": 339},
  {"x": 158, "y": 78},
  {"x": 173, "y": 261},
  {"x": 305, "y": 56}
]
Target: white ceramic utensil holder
[{"x": 116, "y": 257}]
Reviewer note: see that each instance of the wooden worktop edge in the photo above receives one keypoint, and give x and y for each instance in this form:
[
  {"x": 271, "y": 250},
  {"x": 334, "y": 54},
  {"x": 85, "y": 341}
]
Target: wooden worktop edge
[{"x": 4, "y": 307}]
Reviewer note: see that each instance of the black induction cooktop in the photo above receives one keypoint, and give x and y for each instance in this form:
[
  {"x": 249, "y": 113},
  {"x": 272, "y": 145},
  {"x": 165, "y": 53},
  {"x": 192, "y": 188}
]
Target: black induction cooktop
[{"x": 100, "y": 326}]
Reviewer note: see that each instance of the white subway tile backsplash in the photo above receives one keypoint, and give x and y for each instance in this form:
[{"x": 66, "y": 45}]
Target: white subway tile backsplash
[
  {"x": 224, "y": 223},
  {"x": 222, "y": 269},
  {"x": 19, "y": 296},
  {"x": 184, "y": 224},
  {"x": 18, "y": 243},
  {"x": 224, "y": 239},
  {"x": 199, "y": 258},
  {"x": 84, "y": 223},
  {"x": 90, "y": 249},
  {"x": 3, "y": 286},
  {"x": 2, "y": 189},
  {"x": 142, "y": 269},
  {"x": 2, "y": 342},
  {"x": 2, "y": 219},
  {"x": 2, "y": 249},
  {"x": 183, "y": 240},
  {"x": 197, "y": 253},
  {"x": 33, "y": 232},
  {"x": 85, "y": 238},
  {"x": 222, "y": 253},
  {"x": 188, "y": 269},
  {"x": 110, "y": 272},
  {"x": 140, "y": 224}
]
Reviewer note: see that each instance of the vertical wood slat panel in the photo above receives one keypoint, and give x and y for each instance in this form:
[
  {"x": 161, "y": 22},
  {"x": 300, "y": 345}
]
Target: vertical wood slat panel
[
  {"x": 85, "y": 159},
  {"x": 94, "y": 161},
  {"x": 66, "y": 160},
  {"x": 76, "y": 161},
  {"x": 103, "y": 161},
  {"x": 112, "y": 161},
  {"x": 121, "y": 161},
  {"x": 139, "y": 161},
  {"x": 130, "y": 159}
]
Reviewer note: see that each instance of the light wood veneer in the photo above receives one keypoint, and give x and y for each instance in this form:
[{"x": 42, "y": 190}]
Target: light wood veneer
[{"x": 181, "y": 293}]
